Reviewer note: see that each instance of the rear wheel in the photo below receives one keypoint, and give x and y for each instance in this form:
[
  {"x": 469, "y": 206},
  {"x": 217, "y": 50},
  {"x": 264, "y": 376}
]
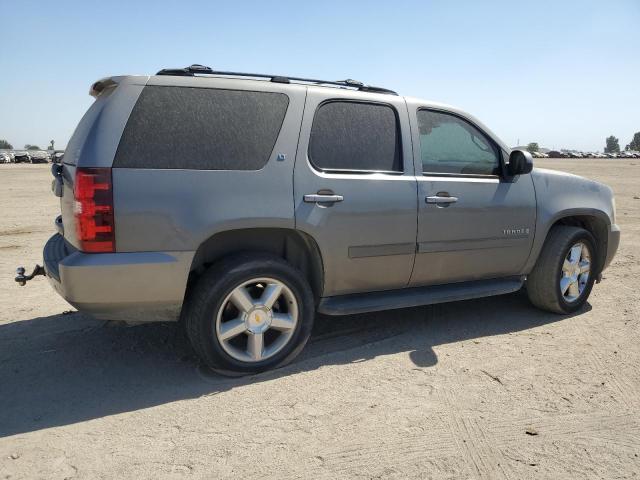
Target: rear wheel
[
  {"x": 249, "y": 313},
  {"x": 565, "y": 272}
]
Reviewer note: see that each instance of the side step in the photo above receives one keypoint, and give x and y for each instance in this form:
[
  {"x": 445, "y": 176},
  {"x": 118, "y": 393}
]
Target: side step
[{"x": 414, "y": 297}]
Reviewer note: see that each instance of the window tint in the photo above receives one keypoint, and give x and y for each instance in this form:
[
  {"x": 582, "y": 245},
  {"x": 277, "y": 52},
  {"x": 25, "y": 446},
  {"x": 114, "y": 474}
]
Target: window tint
[
  {"x": 355, "y": 136},
  {"x": 449, "y": 144},
  {"x": 201, "y": 128}
]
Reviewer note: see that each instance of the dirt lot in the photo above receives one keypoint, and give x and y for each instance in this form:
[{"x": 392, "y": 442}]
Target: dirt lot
[{"x": 480, "y": 389}]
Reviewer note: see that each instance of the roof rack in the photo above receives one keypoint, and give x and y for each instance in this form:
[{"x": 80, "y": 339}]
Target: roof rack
[{"x": 196, "y": 69}]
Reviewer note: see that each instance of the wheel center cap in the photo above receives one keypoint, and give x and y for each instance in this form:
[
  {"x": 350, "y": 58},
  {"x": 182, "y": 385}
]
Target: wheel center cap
[{"x": 258, "y": 320}]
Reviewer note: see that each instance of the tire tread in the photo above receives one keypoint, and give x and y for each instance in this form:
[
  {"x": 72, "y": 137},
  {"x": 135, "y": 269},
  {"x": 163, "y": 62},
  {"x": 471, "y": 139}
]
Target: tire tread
[
  {"x": 198, "y": 303},
  {"x": 541, "y": 282}
]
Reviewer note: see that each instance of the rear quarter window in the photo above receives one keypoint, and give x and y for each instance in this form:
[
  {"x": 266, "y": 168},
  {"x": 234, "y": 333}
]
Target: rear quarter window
[{"x": 201, "y": 129}]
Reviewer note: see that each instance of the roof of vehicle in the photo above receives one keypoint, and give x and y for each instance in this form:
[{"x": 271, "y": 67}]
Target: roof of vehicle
[
  {"x": 196, "y": 69},
  {"x": 199, "y": 71},
  {"x": 192, "y": 73}
]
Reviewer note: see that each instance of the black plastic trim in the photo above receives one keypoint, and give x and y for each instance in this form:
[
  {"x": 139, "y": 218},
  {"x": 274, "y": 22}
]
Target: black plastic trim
[
  {"x": 202, "y": 70},
  {"x": 55, "y": 250},
  {"x": 461, "y": 175},
  {"x": 414, "y": 297},
  {"x": 362, "y": 251}
]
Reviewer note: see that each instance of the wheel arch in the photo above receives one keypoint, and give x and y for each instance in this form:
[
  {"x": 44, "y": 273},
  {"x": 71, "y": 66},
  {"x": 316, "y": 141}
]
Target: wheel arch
[
  {"x": 594, "y": 221},
  {"x": 297, "y": 248}
]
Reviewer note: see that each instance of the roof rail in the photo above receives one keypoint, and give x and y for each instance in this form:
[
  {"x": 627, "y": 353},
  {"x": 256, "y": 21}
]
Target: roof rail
[{"x": 196, "y": 69}]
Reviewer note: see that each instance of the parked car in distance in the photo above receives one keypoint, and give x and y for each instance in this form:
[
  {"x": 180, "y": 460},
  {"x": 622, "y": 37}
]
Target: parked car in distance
[
  {"x": 5, "y": 157},
  {"x": 39, "y": 156},
  {"x": 285, "y": 196},
  {"x": 21, "y": 156}
]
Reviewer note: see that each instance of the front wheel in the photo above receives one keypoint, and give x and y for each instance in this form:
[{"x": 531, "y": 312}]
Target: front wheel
[
  {"x": 565, "y": 272},
  {"x": 249, "y": 313}
]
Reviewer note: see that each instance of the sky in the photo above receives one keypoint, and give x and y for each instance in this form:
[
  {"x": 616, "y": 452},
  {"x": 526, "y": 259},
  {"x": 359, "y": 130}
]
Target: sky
[{"x": 564, "y": 74}]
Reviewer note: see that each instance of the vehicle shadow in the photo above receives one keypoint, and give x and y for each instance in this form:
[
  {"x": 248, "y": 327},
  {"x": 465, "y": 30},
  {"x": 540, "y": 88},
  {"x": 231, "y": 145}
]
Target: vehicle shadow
[{"x": 63, "y": 369}]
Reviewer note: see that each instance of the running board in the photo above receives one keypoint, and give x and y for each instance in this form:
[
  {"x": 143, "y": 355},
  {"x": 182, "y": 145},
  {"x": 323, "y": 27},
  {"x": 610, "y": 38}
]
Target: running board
[{"x": 414, "y": 297}]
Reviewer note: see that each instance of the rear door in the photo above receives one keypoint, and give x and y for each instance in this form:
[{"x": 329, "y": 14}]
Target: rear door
[
  {"x": 472, "y": 223},
  {"x": 355, "y": 189}
]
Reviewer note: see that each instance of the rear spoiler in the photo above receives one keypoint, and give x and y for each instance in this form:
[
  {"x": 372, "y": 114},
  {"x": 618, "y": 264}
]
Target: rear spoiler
[
  {"x": 109, "y": 83},
  {"x": 101, "y": 85}
]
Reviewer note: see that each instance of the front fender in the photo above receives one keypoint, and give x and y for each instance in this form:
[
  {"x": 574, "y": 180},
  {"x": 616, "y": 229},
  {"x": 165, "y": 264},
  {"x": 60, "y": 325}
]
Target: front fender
[{"x": 560, "y": 196}]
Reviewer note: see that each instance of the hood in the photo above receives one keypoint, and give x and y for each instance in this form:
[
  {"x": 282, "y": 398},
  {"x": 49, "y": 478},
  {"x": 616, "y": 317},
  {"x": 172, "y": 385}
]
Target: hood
[
  {"x": 548, "y": 178},
  {"x": 560, "y": 191}
]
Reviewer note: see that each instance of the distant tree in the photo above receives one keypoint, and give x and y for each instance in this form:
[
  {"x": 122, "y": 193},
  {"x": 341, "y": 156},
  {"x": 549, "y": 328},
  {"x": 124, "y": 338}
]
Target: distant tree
[
  {"x": 51, "y": 145},
  {"x": 31, "y": 147},
  {"x": 5, "y": 144},
  {"x": 532, "y": 147},
  {"x": 635, "y": 143},
  {"x": 613, "y": 145}
]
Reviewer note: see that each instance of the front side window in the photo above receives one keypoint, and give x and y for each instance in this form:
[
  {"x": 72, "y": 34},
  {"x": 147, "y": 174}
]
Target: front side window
[
  {"x": 449, "y": 144},
  {"x": 352, "y": 136}
]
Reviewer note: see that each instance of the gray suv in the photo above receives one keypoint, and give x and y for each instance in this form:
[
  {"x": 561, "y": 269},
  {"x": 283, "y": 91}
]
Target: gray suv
[{"x": 241, "y": 204}]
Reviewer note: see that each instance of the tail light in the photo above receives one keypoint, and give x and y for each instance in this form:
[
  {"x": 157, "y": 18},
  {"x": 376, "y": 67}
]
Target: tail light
[{"x": 93, "y": 210}]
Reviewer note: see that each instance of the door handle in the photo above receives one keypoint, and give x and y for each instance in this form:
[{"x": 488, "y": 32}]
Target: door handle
[
  {"x": 437, "y": 199},
  {"x": 320, "y": 198}
]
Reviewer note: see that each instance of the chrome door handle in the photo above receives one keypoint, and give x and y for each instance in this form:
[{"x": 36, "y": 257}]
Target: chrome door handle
[
  {"x": 319, "y": 198},
  {"x": 441, "y": 200}
]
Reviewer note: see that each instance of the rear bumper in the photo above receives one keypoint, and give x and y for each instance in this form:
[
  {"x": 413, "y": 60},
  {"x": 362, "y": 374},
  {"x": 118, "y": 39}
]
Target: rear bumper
[
  {"x": 613, "y": 242},
  {"x": 136, "y": 287}
]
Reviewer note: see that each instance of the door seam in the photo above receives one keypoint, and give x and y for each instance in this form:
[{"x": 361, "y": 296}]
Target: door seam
[
  {"x": 295, "y": 161},
  {"x": 417, "y": 199}
]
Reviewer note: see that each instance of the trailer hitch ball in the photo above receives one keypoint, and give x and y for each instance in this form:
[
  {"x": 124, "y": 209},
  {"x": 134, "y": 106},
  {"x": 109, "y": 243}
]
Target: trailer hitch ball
[{"x": 22, "y": 279}]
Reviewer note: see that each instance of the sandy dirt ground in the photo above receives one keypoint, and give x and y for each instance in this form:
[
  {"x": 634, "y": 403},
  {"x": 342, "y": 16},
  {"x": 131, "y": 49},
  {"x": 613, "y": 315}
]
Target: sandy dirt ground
[{"x": 489, "y": 388}]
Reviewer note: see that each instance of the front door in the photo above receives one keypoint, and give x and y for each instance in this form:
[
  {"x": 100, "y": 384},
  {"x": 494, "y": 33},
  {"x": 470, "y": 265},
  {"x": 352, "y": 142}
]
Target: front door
[
  {"x": 472, "y": 223},
  {"x": 355, "y": 189}
]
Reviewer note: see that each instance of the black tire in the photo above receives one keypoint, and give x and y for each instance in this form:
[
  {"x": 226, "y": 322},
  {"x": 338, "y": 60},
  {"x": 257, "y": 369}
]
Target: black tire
[
  {"x": 543, "y": 284},
  {"x": 208, "y": 294}
]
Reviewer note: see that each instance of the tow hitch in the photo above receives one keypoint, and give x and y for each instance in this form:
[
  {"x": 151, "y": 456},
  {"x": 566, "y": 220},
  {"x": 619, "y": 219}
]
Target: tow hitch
[{"x": 22, "y": 279}]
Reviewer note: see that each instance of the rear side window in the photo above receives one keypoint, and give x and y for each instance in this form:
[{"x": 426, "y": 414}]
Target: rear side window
[
  {"x": 355, "y": 136},
  {"x": 202, "y": 129}
]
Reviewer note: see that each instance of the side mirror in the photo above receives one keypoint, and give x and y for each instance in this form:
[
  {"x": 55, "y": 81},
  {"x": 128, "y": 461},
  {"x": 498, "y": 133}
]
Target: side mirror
[{"x": 520, "y": 163}]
